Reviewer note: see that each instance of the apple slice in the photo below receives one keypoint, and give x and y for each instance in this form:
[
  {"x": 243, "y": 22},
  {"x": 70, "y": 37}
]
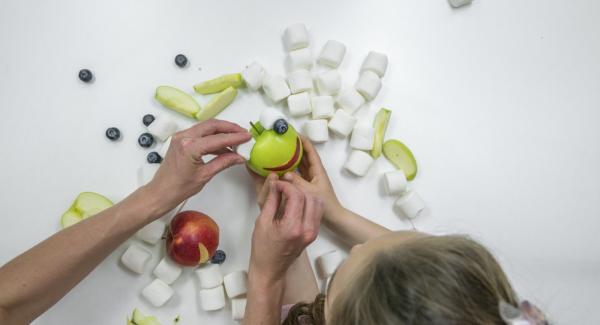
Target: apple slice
[
  {"x": 217, "y": 104},
  {"x": 177, "y": 100},
  {"x": 137, "y": 318},
  {"x": 85, "y": 205},
  {"x": 69, "y": 218},
  {"x": 218, "y": 84},
  {"x": 401, "y": 157},
  {"x": 380, "y": 124}
]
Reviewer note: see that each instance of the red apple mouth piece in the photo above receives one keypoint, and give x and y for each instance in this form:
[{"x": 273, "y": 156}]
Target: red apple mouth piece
[{"x": 292, "y": 160}]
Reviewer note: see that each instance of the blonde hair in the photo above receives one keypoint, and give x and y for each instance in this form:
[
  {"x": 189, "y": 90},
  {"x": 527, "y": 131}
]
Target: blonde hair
[{"x": 427, "y": 280}]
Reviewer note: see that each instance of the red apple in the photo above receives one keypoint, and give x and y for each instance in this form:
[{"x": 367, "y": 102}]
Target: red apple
[{"x": 192, "y": 238}]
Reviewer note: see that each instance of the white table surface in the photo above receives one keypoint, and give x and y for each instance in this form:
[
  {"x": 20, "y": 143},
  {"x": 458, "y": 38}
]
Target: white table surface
[{"x": 499, "y": 101}]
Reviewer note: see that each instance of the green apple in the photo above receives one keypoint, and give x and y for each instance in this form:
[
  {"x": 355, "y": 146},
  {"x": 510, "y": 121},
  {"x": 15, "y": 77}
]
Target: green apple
[
  {"x": 137, "y": 318},
  {"x": 218, "y": 84},
  {"x": 401, "y": 157},
  {"x": 85, "y": 205},
  {"x": 217, "y": 104},
  {"x": 177, "y": 100},
  {"x": 380, "y": 124},
  {"x": 274, "y": 152}
]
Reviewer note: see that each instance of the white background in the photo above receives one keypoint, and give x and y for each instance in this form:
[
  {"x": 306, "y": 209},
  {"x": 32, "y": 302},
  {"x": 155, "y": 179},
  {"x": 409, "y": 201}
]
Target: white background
[{"x": 500, "y": 102}]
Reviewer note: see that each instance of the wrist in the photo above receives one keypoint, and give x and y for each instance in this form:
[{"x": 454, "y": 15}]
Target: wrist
[
  {"x": 151, "y": 203},
  {"x": 334, "y": 211}
]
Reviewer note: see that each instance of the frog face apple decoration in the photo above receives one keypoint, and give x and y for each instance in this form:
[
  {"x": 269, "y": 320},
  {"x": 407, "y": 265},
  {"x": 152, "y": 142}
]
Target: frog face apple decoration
[{"x": 277, "y": 147}]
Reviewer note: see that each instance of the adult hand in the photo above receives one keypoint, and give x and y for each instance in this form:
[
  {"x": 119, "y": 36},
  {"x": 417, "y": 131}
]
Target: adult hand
[
  {"x": 184, "y": 171},
  {"x": 289, "y": 221}
]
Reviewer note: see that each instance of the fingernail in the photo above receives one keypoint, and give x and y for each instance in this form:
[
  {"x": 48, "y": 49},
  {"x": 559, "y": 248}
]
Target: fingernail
[{"x": 288, "y": 176}]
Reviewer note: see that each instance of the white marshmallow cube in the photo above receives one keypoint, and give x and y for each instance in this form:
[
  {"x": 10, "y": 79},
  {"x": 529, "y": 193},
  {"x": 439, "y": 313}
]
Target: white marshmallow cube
[
  {"x": 410, "y": 204},
  {"x": 362, "y": 137},
  {"x": 236, "y": 283},
  {"x": 295, "y": 37},
  {"x": 459, "y": 3},
  {"x": 212, "y": 299},
  {"x": 329, "y": 82},
  {"x": 162, "y": 127},
  {"x": 157, "y": 293},
  {"x": 317, "y": 131},
  {"x": 332, "y": 54},
  {"x": 167, "y": 270},
  {"x": 253, "y": 76},
  {"x": 322, "y": 107},
  {"x": 342, "y": 123},
  {"x": 209, "y": 276},
  {"x": 299, "y": 104},
  {"x": 135, "y": 258},
  {"x": 164, "y": 148},
  {"x": 300, "y": 59},
  {"x": 245, "y": 149},
  {"x": 268, "y": 116},
  {"x": 152, "y": 232},
  {"x": 350, "y": 100},
  {"x": 238, "y": 308},
  {"x": 368, "y": 85},
  {"x": 300, "y": 80},
  {"x": 146, "y": 173},
  {"x": 376, "y": 62},
  {"x": 328, "y": 263},
  {"x": 275, "y": 87},
  {"x": 395, "y": 182},
  {"x": 358, "y": 163}
]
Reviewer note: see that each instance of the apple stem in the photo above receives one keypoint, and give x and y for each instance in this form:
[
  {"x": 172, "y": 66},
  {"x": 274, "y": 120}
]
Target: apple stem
[{"x": 255, "y": 128}]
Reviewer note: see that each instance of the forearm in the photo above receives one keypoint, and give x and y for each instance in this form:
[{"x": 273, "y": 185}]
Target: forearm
[
  {"x": 264, "y": 300},
  {"x": 352, "y": 228},
  {"x": 34, "y": 281}
]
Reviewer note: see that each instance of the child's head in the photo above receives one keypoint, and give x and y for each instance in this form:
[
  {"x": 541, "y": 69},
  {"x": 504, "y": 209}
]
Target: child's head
[{"x": 418, "y": 279}]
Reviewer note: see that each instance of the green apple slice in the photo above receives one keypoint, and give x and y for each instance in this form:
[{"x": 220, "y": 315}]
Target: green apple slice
[
  {"x": 89, "y": 203},
  {"x": 401, "y": 157},
  {"x": 70, "y": 218},
  {"x": 177, "y": 100},
  {"x": 380, "y": 124},
  {"x": 217, "y": 104},
  {"x": 137, "y": 316},
  {"x": 219, "y": 84}
]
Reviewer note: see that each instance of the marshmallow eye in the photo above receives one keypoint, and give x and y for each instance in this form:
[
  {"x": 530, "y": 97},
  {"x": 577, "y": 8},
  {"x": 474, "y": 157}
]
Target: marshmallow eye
[{"x": 280, "y": 126}]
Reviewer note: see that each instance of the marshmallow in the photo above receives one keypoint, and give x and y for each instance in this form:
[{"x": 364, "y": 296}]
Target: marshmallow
[
  {"x": 238, "y": 308},
  {"x": 167, "y": 270},
  {"x": 358, "y": 163},
  {"x": 135, "y": 258},
  {"x": 376, "y": 62},
  {"x": 212, "y": 299},
  {"x": 245, "y": 149},
  {"x": 268, "y": 116},
  {"x": 322, "y": 107},
  {"x": 459, "y": 3},
  {"x": 300, "y": 59},
  {"x": 342, "y": 123},
  {"x": 299, "y": 104},
  {"x": 362, "y": 137},
  {"x": 328, "y": 263},
  {"x": 164, "y": 148},
  {"x": 236, "y": 283},
  {"x": 410, "y": 204},
  {"x": 350, "y": 100},
  {"x": 209, "y": 276},
  {"x": 152, "y": 232},
  {"x": 317, "y": 131},
  {"x": 275, "y": 87},
  {"x": 300, "y": 80},
  {"x": 295, "y": 37},
  {"x": 157, "y": 293},
  {"x": 162, "y": 127},
  {"x": 329, "y": 82},
  {"x": 395, "y": 182},
  {"x": 368, "y": 85},
  {"x": 146, "y": 172},
  {"x": 332, "y": 54},
  {"x": 253, "y": 76}
]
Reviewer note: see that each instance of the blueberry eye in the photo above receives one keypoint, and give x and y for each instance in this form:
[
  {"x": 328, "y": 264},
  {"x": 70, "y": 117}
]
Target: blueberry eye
[{"x": 280, "y": 126}]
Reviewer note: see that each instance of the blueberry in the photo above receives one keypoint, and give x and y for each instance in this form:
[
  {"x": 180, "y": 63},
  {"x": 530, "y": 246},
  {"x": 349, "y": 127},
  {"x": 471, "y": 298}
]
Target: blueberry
[
  {"x": 181, "y": 60},
  {"x": 85, "y": 75},
  {"x": 219, "y": 257},
  {"x": 148, "y": 119},
  {"x": 280, "y": 126},
  {"x": 113, "y": 134},
  {"x": 154, "y": 158},
  {"x": 146, "y": 140}
]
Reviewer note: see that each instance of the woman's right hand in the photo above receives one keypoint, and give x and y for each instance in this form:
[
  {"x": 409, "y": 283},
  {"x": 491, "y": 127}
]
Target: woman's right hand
[{"x": 313, "y": 178}]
